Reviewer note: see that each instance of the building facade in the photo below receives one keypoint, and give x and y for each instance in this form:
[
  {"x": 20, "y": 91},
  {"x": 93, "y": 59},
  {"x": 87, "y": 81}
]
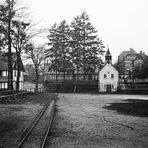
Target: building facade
[
  {"x": 128, "y": 61},
  {"x": 4, "y": 72},
  {"x": 108, "y": 76}
]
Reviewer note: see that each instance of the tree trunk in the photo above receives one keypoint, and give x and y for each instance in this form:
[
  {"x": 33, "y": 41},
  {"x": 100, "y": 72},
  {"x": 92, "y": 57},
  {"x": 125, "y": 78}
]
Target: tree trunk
[
  {"x": 84, "y": 58},
  {"x": 56, "y": 76},
  {"x": 64, "y": 68},
  {"x": 73, "y": 75},
  {"x": 64, "y": 74},
  {"x": 18, "y": 72},
  {"x": 84, "y": 64},
  {"x": 37, "y": 79},
  {"x": 10, "y": 71}
]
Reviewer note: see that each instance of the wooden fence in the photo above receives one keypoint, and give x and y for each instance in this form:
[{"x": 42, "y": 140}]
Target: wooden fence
[{"x": 133, "y": 81}]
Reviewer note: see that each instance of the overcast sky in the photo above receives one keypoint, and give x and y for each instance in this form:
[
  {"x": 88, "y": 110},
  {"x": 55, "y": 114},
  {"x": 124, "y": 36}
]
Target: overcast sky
[{"x": 122, "y": 24}]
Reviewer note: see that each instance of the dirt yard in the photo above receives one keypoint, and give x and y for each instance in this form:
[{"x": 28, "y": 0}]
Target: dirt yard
[
  {"x": 104, "y": 121},
  {"x": 16, "y": 115},
  {"x": 81, "y": 121}
]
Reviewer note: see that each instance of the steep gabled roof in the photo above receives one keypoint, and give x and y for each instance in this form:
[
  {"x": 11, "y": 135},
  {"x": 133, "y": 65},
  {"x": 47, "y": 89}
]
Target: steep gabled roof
[
  {"x": 108, "y": 53},
  {"x": 105, "y": 65},
  {"x": 4, "y": 62},
  {"x": 145, "y": 57},
  {"x": 125, "y": 53}
]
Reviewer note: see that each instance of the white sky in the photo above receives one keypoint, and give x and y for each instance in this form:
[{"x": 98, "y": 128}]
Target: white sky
[{"x": 122, "y": 24}]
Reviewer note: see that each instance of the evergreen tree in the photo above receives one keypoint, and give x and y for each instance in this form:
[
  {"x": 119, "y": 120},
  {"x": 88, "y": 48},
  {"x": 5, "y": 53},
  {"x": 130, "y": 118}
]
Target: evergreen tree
[
  {"x": 76, "y": 48},
  {"x": 52, "y": 52},
  {"x": 59, "y": 47},
  {"x": 140, "y": 72},
  {"x": 85, "y": 44}
]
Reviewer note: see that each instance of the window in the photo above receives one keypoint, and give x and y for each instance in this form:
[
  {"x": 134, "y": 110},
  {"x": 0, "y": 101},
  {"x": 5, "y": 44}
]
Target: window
[
  {"x": 112, "y": 75},
  {"x": 105, "y": 76},
  {"x": 15, "y": 73},
  {"x": 0, "y": 73},
  {"x": 4, "y": 73}
]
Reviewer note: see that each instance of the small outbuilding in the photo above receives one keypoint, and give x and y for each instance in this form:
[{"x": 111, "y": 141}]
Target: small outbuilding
[{"x": 108, "y": 76}]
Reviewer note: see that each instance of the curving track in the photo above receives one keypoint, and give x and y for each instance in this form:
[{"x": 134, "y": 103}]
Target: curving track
[{"x": 35, "y": 135}]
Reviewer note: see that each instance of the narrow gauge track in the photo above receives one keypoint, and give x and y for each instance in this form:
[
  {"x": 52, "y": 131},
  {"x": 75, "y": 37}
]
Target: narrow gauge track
[
  {"x": 49, "y": 126},
  {"x": 23, "y": 139}
]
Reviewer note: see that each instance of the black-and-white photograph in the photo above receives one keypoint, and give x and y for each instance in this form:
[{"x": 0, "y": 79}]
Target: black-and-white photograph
[{"x": 73, "y": 74}]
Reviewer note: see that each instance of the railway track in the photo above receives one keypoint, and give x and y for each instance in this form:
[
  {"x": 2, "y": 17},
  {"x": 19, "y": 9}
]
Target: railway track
[{"x": 35, "y": 135}]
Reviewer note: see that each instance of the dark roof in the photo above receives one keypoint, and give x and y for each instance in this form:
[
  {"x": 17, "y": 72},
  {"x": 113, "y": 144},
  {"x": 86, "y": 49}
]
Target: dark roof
[
  {"x": 145, "y": 57},
  {"x": 125, "y": 53},
  {"x": 4, "y": 62},
  {"x": 131, "y": 52},
  {"x": 108, "y": 53}
]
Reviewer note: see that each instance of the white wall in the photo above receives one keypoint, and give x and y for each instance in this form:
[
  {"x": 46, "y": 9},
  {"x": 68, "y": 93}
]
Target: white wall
[
  {"x": 4, "y": 73},
  {"x": 4, "y": 85},
  {"x": 21, "y": 79},
  {"x": 108, "y": 70}
]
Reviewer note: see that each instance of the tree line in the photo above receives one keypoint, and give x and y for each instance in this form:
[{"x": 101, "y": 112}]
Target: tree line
[
  {"x": 16, "y": 33},
  {"x": 74, "y": 48}
]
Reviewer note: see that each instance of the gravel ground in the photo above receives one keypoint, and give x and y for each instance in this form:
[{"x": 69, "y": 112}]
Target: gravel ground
[
  {"x": 92, "y": 121},
  {"x": 17, "y": 114},
  {"x": 36, "y": 137}
]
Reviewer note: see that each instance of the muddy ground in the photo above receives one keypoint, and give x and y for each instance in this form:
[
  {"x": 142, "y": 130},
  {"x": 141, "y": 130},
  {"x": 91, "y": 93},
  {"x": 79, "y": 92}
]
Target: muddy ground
[
  {"x": 81, "y": 120},
  {"x": 16, "y": 115},
  {"x": 104, "y": 121}
]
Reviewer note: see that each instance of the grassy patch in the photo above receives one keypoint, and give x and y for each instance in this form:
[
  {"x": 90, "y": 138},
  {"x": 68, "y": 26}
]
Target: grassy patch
[
  {"x": 40, "y": 98},
  {"x": 130, "y": 107}
]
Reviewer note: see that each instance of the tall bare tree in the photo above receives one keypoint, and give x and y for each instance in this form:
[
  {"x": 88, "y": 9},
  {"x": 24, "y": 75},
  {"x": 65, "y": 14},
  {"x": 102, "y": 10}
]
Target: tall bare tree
[
  {"x": 19, "y": 42},
  {"x": 7, "y": 14},
  {"x": 12, "y": 29},
  {"x": 36, "y": 54}
]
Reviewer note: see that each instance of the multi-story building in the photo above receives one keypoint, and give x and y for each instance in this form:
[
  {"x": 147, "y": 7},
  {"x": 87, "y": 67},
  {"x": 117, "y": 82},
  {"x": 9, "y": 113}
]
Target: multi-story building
[
  {"x": 4, "y": 72},
  {"x": 129, "y": 60}
]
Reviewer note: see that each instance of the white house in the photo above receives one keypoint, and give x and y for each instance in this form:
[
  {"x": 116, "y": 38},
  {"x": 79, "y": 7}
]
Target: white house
[
  {"x": 108, "y": 76},
  {"x": 4, "y": 72}
]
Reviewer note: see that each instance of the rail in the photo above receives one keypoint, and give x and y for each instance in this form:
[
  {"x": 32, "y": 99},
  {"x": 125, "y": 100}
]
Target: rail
[
  {"x": 26, "y": 133},
  {"x": 49, "y": 126}
]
